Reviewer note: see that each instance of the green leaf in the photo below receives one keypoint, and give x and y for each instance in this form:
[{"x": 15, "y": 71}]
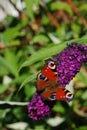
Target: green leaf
[
  {"x": 3, "y": 70},
  {"x": 27, "y": 80},
  {"x": 12, "y": 60},
  {"x": 40, "y": 38},
  {"x": 13, "y": 32},
  {"x": 3, "y": 112},
  {"x": 29, "y": 8},
  {"x": 18, "y": 80},
  {"x": 6, "y": 65},
  {"x": 49, "y": 51},
  {"x": 59, "y": 108},
  {"x": 42, "y": 54},
  {"x": 45, "y": 20},
  {"x": 29, "y": 91},
  {"x": 61, "y": 6}
]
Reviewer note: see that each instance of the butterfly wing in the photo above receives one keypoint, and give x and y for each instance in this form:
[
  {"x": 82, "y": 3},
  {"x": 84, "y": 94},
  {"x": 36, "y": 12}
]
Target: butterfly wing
[
  {"x": 63, "y": 94},
  {"x": 57, "y": 94}
]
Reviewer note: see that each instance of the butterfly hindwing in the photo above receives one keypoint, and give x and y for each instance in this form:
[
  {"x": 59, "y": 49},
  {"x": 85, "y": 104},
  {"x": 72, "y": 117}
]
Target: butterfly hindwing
[
  {"x": 57, "y": 94},
  {"x": 63, "y": 94}
]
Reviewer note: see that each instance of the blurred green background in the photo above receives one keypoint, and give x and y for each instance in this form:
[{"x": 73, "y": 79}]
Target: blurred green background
[{"x": 30, "y": 32}]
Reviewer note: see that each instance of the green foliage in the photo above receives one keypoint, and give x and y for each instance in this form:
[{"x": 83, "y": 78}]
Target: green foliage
[
  {"x": 40, "y": 38},
  {"x": 49, "y": 51},
  {"x": 6, "y": 65},
  {"x": 81, "y": 76},
  {"x": 61, "y": 6},
  {"x": 14, "y": 31},
  {"x": 42, "y": 30},
  {"x": 81, "y": 128}
]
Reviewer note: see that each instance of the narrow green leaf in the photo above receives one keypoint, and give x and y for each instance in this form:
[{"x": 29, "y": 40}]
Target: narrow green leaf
[
  {"x": 18, "y": 80},
  {"x": 30, "y": 77},
  {"x": 29, "y": 8},
  {"x": 50, "y": 51},
  {"x": 42, "y": 54}
]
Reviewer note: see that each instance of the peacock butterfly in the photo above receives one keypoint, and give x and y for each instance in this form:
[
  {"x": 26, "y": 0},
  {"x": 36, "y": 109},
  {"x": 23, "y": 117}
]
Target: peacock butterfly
[{"x": 48, "y": 86}]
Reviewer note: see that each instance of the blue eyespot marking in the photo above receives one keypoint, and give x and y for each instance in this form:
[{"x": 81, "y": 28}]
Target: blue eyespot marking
[
  {"x": 53, "y": 96},
  {"x": 42, "y": 77}
]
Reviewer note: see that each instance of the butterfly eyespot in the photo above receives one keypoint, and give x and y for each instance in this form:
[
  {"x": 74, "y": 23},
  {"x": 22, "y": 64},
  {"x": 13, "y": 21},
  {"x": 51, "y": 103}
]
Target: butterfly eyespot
[
  {"x": 42, "y": 77},
  {"x": 53, "y": 97},
  {"x": 51, "y": 65},
  {"x": 69, "y": 96}
]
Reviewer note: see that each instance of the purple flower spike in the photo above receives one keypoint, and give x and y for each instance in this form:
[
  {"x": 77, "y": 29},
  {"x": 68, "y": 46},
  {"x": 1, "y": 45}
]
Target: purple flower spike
[
  {"x": 69, "y": 62},
  {"x": 38, "y": 108}
]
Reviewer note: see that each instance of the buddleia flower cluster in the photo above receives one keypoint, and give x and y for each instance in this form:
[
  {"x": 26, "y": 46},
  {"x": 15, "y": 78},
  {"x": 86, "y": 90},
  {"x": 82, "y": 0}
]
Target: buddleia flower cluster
[{"x": 68, "y": 63}]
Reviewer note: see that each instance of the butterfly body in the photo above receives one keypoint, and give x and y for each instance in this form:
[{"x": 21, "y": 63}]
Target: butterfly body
[{"x": 48, "y": 86}]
